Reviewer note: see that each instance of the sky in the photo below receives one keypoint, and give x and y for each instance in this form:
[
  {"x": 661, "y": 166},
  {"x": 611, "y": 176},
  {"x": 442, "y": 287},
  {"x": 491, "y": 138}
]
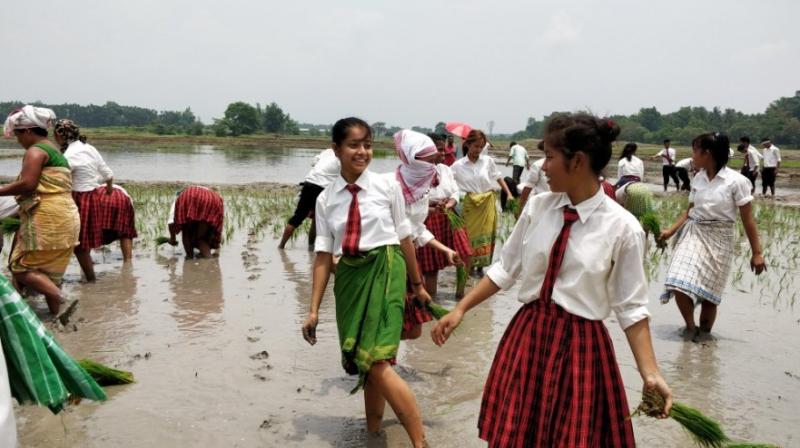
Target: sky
[{"x": 406, "y": 63}]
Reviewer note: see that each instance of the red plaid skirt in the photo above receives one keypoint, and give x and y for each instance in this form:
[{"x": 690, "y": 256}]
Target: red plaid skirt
[
  {"x": 415, "y": 312},
  {"x": 104, "y": 217},
  {"x": 432, "y": 260},
  {"x": 554, "y": 382},
  {"x": 199, "y": 204}
]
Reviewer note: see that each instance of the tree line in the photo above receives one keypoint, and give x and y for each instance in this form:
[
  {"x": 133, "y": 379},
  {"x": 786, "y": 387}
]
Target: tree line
[{"x": 780, "y": 122}]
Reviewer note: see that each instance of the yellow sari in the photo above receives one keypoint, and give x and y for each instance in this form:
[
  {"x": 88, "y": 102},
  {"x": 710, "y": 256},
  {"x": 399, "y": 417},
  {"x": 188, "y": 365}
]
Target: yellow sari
[
  {"x": 480, "y": 217},
  {"x": 49, "y": 226}
]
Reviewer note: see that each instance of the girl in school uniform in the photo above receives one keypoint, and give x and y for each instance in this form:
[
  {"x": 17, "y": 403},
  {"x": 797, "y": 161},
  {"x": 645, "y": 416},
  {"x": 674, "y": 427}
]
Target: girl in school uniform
[
  {"x": 555, "y": 380},
  {"x": 477, "y": 176},
  {"x": 361, "y": 216},
  {"x": 442, "y": 199},
  {"x": 701, "y": 264},
  {"x": 416, "y": 174},
  {"x": 629, "y": 168}
]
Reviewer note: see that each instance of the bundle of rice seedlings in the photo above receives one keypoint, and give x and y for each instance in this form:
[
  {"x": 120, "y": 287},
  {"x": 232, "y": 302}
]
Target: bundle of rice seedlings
[
  {"x": 9, "y": 225},
  {"x": 461, "y": 277},
  {"x": 651, "y": 225},
  {"x": 161, "y": 240},
  {"x": 104, "y": 375},
  {"x": 436, "y": 310},
  {"x": 706, "y": 432},
  {"x": 512, "y": 206},
  {"x": 456, "y": 221}
]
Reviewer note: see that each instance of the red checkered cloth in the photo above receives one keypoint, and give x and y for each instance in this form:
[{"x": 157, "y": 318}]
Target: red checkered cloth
[
  {"x": 609, "y": 189},
  {"x": 554, "y": 382},
  {"x": 415, "y": 313},
  {"x": 104, "y": 218},
  {"x": 432, "y": 260},
  {"x": 199, "y": 204}
]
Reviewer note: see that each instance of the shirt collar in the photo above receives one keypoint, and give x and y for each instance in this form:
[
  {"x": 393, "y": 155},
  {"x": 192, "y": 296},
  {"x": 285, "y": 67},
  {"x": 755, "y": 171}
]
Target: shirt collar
[
  {"x": 363, "y": 181},
  {"x": 585, "y": 208}
]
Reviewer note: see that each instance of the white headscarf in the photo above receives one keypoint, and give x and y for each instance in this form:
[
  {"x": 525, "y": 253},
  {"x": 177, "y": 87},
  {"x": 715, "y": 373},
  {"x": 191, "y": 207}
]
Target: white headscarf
[
  {"x": 29, "y": 117},
  {"x": 415, "y": 176}
]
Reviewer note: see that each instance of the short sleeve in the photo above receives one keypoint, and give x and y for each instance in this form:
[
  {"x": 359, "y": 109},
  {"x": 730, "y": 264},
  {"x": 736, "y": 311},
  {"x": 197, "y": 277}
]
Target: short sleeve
[
  {"x": 494, "y": 173},
  {"x": 777, "y": 154},
  {"x": 324, "y": 240},
  {"x": 741, "y": 191},
  {"x": 627, "y": 283},
  {"x": 401, "y": 223},
  {"x": 532, "y": 178},
  {"x": 504, "y": 271}
]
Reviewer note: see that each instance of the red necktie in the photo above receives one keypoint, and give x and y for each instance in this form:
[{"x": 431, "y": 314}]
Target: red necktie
[
  {"x": 352, "y": 230},
  {"x": 557, "y": 254}
]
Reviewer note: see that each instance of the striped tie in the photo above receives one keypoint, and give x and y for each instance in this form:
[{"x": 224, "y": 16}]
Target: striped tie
[
  {"x": 352, "y": 230},
  {"x": 557, "y": 254}
]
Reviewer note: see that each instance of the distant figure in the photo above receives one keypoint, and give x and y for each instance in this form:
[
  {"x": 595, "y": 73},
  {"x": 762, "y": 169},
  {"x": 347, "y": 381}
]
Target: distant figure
[
  {"x": 667, "y": 156},
  {"x": 197, "y": 214},
  {"x": 685, "y": 171},
  {"x": 701, "y": 263},
  {"x": 772, "y": 162},
  {"x": 519, "y": 155},
  {"x": 324, "y": 170},
  {"x": 752, "y": 161},
  {"x": 450, "y": 156},
  {"x": 629, "y": 168},
  {"x": 536, "y": 180}
]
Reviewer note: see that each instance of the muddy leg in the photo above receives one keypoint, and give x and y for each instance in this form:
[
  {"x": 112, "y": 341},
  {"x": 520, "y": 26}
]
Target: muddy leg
[
  {"x": 686, "y": 307},
  {"x": 374, "y": 404},
  {"x": 126, "y": 245},
  {"x": 203, "y": 236},
  {"x": 188, "y": 243},
  {"x": 43, "y": 285},
  {"x": 84, "y": 257},
  {"x": 389, "y": 384},
  {"x": 708, "y": 314},
  {"x": 288, "y": 231},
  {"x": 431, "y": 280}
]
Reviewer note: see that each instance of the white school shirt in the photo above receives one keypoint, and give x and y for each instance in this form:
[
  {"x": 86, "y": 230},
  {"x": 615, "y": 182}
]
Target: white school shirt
[
  {"x": 325, "y": 169},
  {"x": 603, "y": 266},
  {"x": 670, "y": 153},
  {"x": 447, "y": 187},
  {"x": 519, "y": 155},
  {"x": 536, "y": 179},
  {"x": 88, "y": 168},
  {"x": 754, "y": 159},
  {"x": 772, "y": 156},
  {"x": 382, "y": 209},
  {"x": 416, "y": 213},
  {"x": 634, "y": 167},
  {"x": 685, "y": 164},
  {"x": 720, "y": 198},
  {"x": 478, "y": 177}
]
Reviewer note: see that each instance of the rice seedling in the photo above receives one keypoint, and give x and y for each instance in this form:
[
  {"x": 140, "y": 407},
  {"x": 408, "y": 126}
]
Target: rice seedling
[
  {"x": 104, "y": 375},
  {"x": 9, "y": 225},
  {"x": 437, "y": 311}
]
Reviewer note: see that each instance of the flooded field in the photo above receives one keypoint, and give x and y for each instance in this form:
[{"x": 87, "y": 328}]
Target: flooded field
[{"x": 219, "y": 360}]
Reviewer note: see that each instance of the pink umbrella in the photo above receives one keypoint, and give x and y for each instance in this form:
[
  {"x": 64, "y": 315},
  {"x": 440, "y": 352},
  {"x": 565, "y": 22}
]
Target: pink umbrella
[{"x": 458, "y": 128}]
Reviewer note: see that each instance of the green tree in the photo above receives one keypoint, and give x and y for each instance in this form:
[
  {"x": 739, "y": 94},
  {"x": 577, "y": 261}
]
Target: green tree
[
  {"x": 440, "y": 128},
  {"x": 241, "y": 118}
]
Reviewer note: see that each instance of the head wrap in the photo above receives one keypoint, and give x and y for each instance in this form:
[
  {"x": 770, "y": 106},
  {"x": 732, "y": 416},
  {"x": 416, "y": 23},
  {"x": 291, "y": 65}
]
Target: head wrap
[
  {"x": 28, "y": 117},
  {"x": 415, "y": 176},
  {"x": 68, "y": 131}
]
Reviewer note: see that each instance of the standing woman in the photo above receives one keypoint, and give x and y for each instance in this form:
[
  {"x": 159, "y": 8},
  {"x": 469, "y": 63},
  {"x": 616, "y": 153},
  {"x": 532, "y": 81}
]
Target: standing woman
[
  {"x": 478, "y": 177},
  {"x": 197, "y": 214},
  {"x": 49, "y": 222},
  {"x": 450, "y": 156},
  {"x": 629, "y": 168},
  {"x": 701, "y": 264},
  {"x": 555, "y": 379},
  {"x": 106, "y": 212},
  {"x": 361, "y": 216},
  {"x": 442, "y": 199}
]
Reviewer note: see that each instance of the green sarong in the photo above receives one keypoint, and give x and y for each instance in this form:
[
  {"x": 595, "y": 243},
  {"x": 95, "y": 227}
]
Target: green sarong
[
  {"x": 39, "y": 370},
  {"x": 370, "y": 296}
]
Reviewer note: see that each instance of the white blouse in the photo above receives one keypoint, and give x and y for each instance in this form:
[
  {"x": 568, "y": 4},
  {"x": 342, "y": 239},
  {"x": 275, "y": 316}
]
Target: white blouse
[
  {"x": 536, "y": 179},
  {"x": 772, "y": 156},
  {"x": 478, "y": 177},
  {"x": 634, "y": 167},
  {"x": 379, "y": 194},
  {"x": 603, "y": 266},
  {"x": 754, "y": 158},
  {"x": 447, "y": 188},
  {"x": 325, "y": 169},
  {"x": 416, "y": 213},
  {"x": 88, "y": 168},
  {"x": 720, "y": 198}
]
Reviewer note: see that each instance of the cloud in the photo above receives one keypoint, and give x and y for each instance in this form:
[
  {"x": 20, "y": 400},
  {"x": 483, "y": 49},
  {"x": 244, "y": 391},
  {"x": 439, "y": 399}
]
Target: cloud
[
  {"x": 766, "y": 52},
  {"x": 561, "y": 30}
]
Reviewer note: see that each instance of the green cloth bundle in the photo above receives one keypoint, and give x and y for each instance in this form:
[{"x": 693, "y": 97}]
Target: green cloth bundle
[{"x": 39, "y": 370}]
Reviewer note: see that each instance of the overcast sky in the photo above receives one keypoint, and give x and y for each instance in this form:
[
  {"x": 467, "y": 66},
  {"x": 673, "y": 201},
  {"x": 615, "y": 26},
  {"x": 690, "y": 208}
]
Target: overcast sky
[{"x": 403, "y": 62}]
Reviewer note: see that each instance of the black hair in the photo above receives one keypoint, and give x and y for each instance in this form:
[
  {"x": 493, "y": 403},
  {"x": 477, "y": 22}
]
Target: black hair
[
  {"x": 742, "y": 147},
  {"x": 628, "y": 151},
  {"x": 744, "y": 139},
  {"x": 512, "y": 143},
  {"x": 765, "y": 139},
  {"x": 436, "y": 137},
  {"x": 540, "y": 145},
  {"x": 719, "y": 145},
  {"x": 41, "y": 132},
  {"x": 341, "y": 128},
  {"x": 572, "y": 133},
  {"x": 666, "y": 140}
]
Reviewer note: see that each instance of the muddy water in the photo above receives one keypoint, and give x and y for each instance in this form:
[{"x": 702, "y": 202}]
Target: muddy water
[{"x": 194, "y": 333}]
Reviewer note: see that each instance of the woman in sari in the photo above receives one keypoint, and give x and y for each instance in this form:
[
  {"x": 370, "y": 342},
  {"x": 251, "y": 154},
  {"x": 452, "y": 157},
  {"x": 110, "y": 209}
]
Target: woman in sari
[
  {"x": 361, "y": 216},
  {"x": 477, "y": 176},
  {"x": 49, "y": 222},
  {"x": 105, "y": 209}
]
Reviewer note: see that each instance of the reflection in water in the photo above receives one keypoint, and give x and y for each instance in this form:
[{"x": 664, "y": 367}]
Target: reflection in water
[
  {"x": 197, "y": 294},
  {"x": 299, "y": 273},
  {"x": 697, "y": 365}
]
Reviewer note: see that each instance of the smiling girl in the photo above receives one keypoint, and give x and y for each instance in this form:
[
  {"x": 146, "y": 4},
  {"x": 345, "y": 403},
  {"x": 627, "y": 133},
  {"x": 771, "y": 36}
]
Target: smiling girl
[
  {"x": 555, "y": 379},
  {"x": 361, "y": 216}
]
